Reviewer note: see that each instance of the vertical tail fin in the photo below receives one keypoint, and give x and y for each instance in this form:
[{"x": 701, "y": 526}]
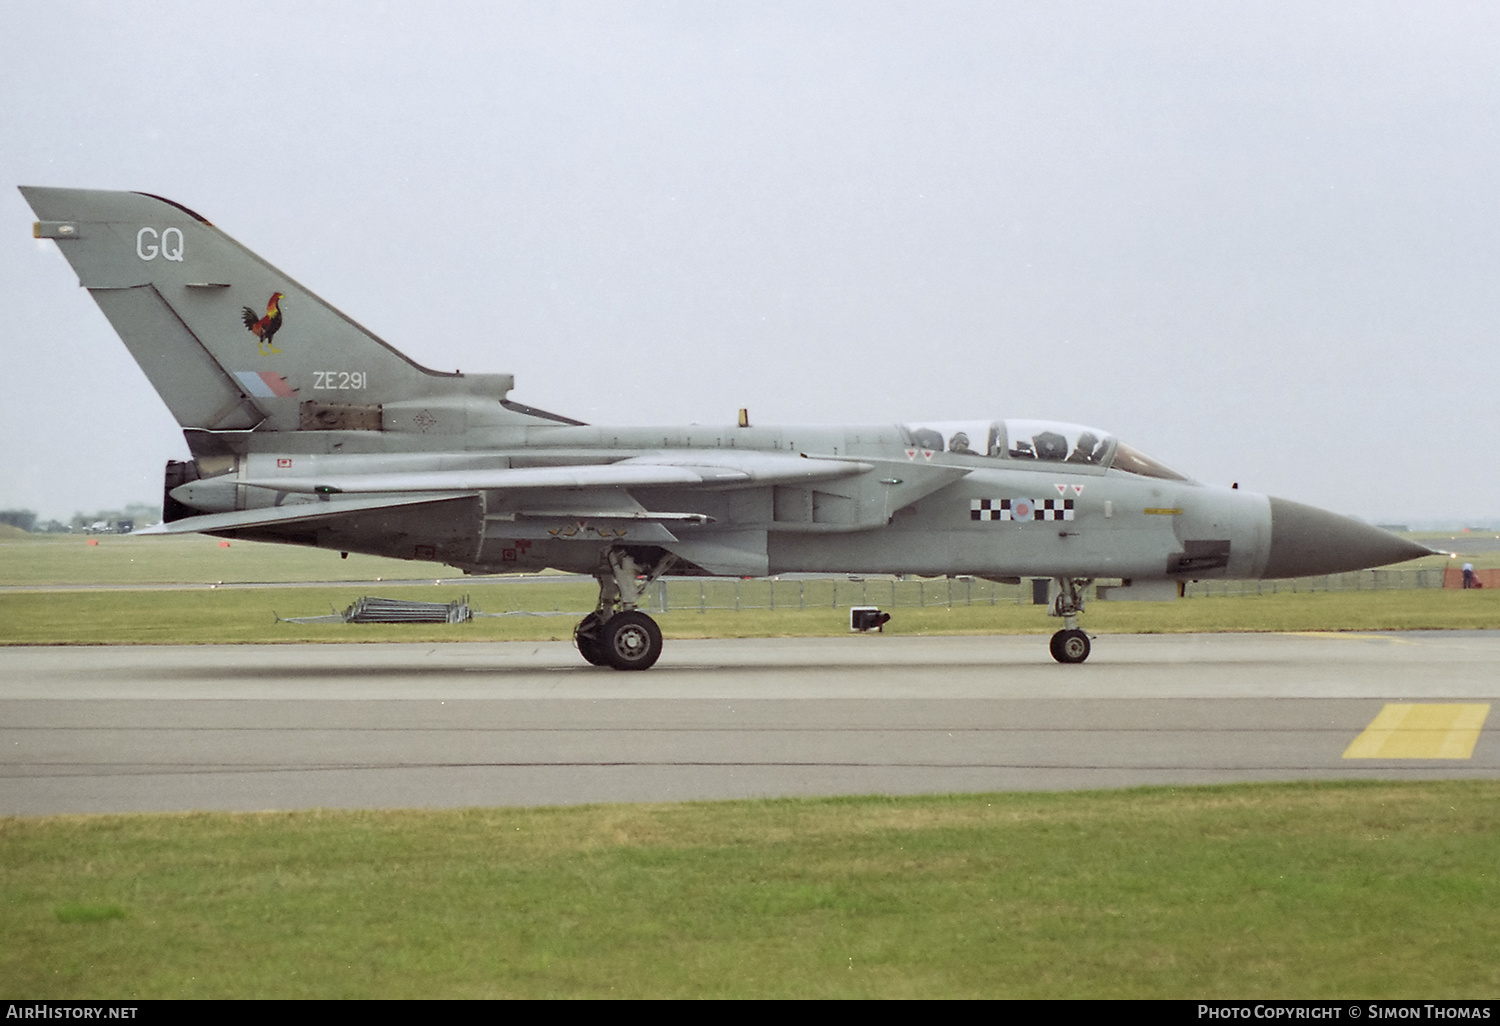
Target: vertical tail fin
[{"x": 231, "y": 343}]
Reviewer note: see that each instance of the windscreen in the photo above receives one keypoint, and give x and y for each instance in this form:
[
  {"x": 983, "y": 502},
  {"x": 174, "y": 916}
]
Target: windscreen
[{"x": 1133, "y": 461}]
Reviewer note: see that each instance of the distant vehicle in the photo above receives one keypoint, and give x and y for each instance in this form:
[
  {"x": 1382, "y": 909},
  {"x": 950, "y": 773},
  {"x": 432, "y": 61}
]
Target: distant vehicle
[
  {"x": 100, "y": 527},
  {"x": 307, "y": 429}
]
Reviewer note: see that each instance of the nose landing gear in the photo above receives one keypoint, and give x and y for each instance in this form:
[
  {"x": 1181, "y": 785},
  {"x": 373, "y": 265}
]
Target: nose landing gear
[{"x": 1069, "y": 645}]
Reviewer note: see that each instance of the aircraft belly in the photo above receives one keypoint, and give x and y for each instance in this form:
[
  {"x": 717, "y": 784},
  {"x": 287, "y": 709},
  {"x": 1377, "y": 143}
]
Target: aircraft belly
[
  {"x": 728, "y": 553},
  {"x": 604, "y": 531},
  {"x": 501, "y": 554},
  {"x": 885, "y": 551},
  {"x": 962, "y": 552},
  {"x": 445, "y": 532}
]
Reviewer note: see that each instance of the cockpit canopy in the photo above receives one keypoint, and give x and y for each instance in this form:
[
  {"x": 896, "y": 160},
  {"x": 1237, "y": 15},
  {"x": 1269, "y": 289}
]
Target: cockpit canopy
[{"x": 1042, "y": 440}]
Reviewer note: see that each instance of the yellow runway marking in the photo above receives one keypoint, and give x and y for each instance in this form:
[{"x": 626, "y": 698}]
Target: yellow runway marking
[
  {"x": 1348, "y": 636},
  {"x": 1406, "y": 731}
]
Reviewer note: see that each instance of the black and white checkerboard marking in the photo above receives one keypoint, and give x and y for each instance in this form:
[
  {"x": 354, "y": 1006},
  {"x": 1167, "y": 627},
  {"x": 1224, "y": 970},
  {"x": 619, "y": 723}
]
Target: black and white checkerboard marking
[{"x": 1020, "y": 509}]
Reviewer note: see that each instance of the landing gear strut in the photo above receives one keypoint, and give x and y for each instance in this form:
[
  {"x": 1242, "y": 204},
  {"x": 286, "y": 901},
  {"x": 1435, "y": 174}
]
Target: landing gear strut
[
  {"x": 1069, "y": 645},
  {"x": 617, "y": 633}
]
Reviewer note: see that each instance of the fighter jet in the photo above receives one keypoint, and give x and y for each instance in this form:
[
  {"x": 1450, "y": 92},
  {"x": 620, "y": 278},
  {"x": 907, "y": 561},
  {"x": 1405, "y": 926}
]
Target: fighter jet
[{"x": 306, "y": 429}]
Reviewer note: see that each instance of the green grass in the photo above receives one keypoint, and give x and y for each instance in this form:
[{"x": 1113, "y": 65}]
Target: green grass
[
  {"x": 242, "y": 616},
  {"x": 1273, "y": 890},
  {"x": 88, "y": 913},
  {"x": 235, "y": 616},
  {"x": 230, "y": 616}
]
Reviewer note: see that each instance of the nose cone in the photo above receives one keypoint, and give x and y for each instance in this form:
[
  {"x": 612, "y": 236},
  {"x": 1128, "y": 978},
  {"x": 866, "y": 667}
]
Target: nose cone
[{"x": 1306, "y": 540}]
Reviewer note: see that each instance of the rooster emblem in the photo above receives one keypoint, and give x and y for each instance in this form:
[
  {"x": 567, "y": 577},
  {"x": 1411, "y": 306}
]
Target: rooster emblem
[{"x": 265, "y": 328}]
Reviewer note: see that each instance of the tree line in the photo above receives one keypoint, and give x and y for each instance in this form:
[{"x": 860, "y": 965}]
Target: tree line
[{"x": 140, "y": 514}]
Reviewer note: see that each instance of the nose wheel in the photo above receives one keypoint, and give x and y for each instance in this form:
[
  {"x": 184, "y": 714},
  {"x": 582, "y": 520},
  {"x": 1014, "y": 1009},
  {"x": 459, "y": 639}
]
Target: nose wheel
[{"x": 1070, "y": 646}]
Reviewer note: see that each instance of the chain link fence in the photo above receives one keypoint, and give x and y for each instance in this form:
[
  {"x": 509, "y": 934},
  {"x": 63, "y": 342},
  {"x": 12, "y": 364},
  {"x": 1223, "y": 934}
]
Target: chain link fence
[
  {"x": 810, "y": 592},
  {"x": 828, "y": 593},
  {"x": 1360, "y": 580}
]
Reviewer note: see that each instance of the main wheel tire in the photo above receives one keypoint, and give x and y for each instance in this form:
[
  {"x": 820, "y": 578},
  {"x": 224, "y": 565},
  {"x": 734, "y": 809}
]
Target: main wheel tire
[
  {"x": 630, "y": 641},
  {"x": 1070, "y": 646},
  {"x": 587, "y": 637}
]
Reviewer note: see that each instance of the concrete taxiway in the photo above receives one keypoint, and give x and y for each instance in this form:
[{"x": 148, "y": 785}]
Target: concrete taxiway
[{"x": 117, "y": 729}]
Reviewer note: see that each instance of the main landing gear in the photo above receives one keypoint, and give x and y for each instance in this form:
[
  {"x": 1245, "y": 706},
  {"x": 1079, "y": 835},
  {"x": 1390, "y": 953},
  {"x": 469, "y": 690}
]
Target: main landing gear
[
  {"x": 1069, "y": 645},
  {"x": 617, "y": 633}
]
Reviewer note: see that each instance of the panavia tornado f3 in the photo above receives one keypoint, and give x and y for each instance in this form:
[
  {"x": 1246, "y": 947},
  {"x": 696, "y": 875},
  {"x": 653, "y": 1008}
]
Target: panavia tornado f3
[{"x": 306, "y": 429}]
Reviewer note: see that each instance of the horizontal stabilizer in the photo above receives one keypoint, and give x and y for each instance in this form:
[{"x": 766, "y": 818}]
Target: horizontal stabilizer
[
  {"x": 690, "y": 469},
  {"x": 301, "y": 512}
]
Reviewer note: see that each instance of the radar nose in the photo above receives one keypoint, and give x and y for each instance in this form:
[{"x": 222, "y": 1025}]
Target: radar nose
[{"x": 1306, "y": 540}]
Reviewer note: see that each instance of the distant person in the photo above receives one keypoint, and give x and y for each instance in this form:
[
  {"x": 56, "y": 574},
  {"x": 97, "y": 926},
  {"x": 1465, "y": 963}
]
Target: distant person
[{"x": 1469, "y": 581}]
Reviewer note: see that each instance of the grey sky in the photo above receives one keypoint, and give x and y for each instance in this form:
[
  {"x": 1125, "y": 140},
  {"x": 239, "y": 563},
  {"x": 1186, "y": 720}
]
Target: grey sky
[{"x": 1260, "y": 242}]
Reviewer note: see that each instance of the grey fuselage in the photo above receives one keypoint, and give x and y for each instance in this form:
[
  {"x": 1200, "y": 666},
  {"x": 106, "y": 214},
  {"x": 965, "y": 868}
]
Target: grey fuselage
[{"x": 912, "y": 512}]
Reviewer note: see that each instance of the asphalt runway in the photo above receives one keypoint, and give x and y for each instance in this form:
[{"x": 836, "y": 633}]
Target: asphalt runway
[{"x": 122, "y": 729}]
